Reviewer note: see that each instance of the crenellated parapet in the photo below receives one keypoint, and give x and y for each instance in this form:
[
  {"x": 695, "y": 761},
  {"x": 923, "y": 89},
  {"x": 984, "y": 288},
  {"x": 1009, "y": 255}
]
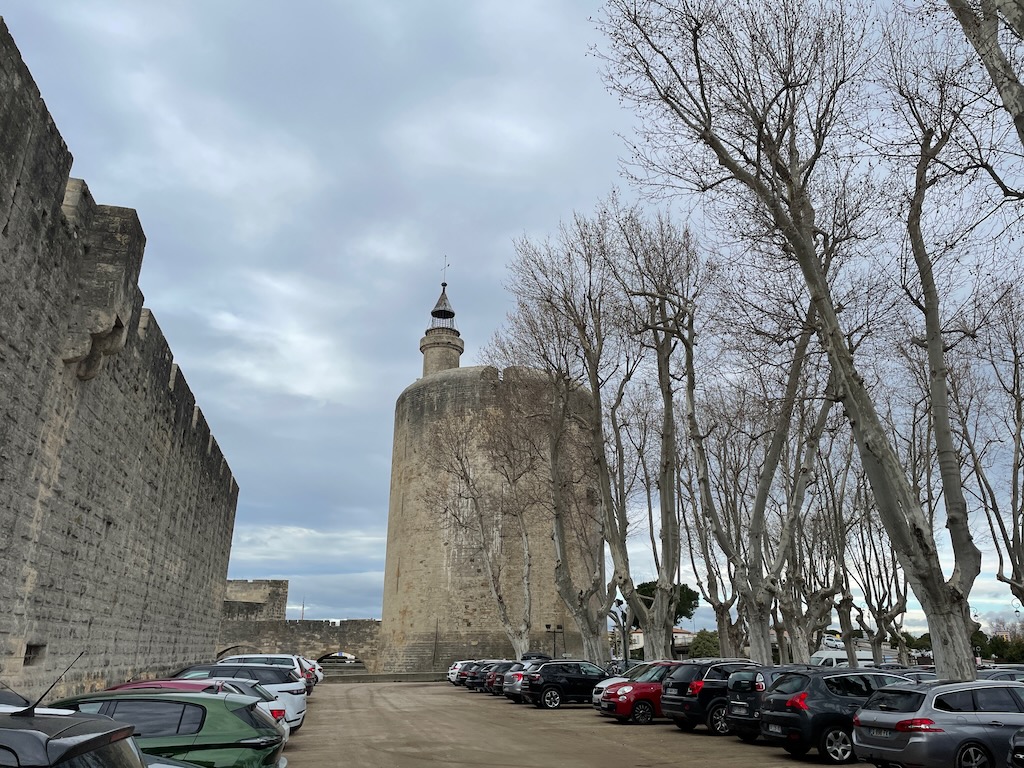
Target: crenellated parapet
[{"x": 116, "y": 503}]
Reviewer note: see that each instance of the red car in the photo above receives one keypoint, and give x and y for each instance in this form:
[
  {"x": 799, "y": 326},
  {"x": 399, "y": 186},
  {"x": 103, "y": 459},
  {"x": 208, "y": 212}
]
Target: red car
[{"x": 637, "y": 700}]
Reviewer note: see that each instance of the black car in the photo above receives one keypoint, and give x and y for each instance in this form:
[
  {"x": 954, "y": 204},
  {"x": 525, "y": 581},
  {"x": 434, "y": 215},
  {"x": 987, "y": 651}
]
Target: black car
[
  {"x": 744, "y": 688},
  {"x": 555, "y": 683},
  {"x": 495, "y": 681},
  {"x": 696, "y": 694},
  {"x": 67, "y": 741},
  {"x": 814, "y": 709},
  {"x": 477, "y": 674}
]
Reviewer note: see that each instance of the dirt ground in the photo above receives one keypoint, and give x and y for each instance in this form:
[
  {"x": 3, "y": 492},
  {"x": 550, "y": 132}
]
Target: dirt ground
[{"x": 412, "y": 725}]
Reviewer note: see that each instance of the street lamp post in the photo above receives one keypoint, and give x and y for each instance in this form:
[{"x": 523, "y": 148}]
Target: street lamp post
[{"x": 555, "y": 632}]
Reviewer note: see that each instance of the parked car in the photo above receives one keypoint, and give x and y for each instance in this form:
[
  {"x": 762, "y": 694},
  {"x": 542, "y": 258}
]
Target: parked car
[
  {"x": 940, "y": 724},
  {"x": 555, "y": 683},
  {"x": 268, "y": 701},
  {"x": 512, "y": 688},
  {"x": 1016, "y": 757},
  {"x": 814, "y": 708},
  {"x": 695, "y": 693},
  {"x": 282, "y": 681},
  {"x": 637, "y": 700},
  {"x": 1001, "y": 673},
  {"x": 315, "y": 665},
  {"x": 465, "y": 669},
  {"x": 67, "y": 741},
  {"x": 289, "y": 660},
  {"x": 631, "y": 674},
  {"x": 744, "y": 689},
  {"x": 494, "y": 681},
  {"x": 453, "y": 670},
  {"x": 222, "y": 730},
  {"x": 475, "y": 675}
]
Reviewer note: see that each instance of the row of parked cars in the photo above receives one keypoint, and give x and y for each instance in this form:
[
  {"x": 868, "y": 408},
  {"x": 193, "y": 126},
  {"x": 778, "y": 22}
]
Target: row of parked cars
[
  {"x": 238, "y": 712},
  {"x": 891, "y": 716}
]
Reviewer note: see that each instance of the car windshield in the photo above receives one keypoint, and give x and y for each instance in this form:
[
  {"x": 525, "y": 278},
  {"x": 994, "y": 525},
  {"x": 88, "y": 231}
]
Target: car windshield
[
  {"x": 654, "y": 674},
  {"x": 789, "y": 683},
  {"x": 635, "y": 672},
  {"x": 884, "y": 700}
]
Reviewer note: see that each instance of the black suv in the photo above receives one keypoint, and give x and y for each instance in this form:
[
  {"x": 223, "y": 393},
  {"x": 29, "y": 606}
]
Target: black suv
[
  {"x": 70, "y": 741},
  {"x": 745, "y": 688},
  {"x": 814, "y": 708},
  {"x": 695, "y": 693},
  {"x": 554, "y": 683}
]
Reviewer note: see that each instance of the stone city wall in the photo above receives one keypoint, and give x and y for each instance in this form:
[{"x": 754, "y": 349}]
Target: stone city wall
[
  {"x": 313, "y": 639},
  {"x": 256, "y": 600},
  {"x": 116, "y": 504}
]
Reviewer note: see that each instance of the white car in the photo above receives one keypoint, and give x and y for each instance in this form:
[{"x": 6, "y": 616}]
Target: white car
[
  {"x": 290, "y": 660},
  {"x": 453, "y": 670}
]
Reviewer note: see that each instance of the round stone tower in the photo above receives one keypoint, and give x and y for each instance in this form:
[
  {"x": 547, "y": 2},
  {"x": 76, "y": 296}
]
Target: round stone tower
[{"x": 439, "y": 591}]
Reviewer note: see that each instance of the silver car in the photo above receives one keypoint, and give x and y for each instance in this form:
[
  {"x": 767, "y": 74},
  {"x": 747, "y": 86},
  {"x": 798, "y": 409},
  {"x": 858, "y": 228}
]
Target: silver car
[
  {"x": 940, "y": 723},
  {"x": 512, "y": 685}
]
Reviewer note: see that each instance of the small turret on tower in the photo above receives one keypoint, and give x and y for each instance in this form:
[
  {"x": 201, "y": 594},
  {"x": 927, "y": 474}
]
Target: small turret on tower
[{"x": 441, "y": 345}]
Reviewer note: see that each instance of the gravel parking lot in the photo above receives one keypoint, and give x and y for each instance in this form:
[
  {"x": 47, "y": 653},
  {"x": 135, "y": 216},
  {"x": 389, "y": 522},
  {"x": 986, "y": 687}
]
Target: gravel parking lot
[{"x": 410, "y": 725}]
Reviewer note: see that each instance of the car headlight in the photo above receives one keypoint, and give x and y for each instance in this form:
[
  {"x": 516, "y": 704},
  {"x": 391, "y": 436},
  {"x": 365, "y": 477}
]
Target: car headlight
[{"x": 625, "y": 689}]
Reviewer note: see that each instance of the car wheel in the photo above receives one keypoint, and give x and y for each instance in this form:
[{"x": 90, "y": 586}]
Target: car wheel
[
  {"x": 836, "y": 746},
  {"x": 551, "y": 698},
  {"x": 717, "y": 723},
  {"x": 643, "y": 713},
  {"x": 683, "y": 725},
  {"x": 748, "y": 736},
  {"x": 796, "y": 750},
  {"x": 972, "y": 756}
]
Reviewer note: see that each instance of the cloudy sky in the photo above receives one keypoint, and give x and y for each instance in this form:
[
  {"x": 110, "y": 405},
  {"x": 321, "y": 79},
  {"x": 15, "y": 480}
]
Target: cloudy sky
[{"x": 302, "y": 171}]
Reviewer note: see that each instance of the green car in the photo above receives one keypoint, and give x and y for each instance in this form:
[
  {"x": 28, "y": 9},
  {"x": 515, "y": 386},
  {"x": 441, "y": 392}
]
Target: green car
[{"x": 209, "y": 730}]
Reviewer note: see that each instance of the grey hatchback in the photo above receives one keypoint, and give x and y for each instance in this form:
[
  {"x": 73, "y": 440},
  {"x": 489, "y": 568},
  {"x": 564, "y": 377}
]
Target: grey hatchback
[{"x": 940, "y": 723}]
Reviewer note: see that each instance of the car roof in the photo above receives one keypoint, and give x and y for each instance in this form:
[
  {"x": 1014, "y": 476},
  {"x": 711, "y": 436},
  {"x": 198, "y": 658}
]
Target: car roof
[
  {"x": 194, "y": 697},
  {"x": 43, "y": 740},
  {"x": 944, "y": 686},
  {"x": 174, "y": 683}
]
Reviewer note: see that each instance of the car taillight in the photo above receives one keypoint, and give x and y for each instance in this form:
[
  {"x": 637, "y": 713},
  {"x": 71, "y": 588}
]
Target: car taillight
[
  {"x": 695, "y": 687},
  {"x": 759, "y": 686},
  {"x": 277, "y": 714},
  {"x": 517, "y": 676},
  {"x": 535, "y": 676},
  {"x": 918, "y": 725},
  {"x": 798, "y": 702}
]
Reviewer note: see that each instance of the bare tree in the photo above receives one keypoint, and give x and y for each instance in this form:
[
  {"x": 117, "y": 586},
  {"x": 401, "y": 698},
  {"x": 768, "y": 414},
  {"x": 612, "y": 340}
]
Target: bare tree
[
  {"x": 995, "y": 28},
  {"x": 753, "y": 104}
]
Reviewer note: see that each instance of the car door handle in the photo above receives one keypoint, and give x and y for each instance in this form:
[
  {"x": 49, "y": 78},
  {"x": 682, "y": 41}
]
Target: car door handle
[{"x": 996, "y": 723}]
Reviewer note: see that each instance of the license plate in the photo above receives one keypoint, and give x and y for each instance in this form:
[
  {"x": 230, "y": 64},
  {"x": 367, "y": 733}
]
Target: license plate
[
  {"x": 608, "y": 705},
  {"x": 738, "y": 708},
  {"x": 880, "y": 733},
  {"x": 773, "y": 728}
]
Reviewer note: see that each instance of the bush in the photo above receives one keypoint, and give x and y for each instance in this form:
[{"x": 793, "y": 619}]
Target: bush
[{"x": 705, "y": 644}]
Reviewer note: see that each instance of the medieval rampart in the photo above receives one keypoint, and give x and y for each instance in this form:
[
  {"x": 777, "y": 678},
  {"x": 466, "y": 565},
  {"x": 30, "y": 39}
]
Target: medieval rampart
[
  {"x": 309, "y": 638},
  {"x": 256, "y": 600},
  {"x": 116, "y": 505}
]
